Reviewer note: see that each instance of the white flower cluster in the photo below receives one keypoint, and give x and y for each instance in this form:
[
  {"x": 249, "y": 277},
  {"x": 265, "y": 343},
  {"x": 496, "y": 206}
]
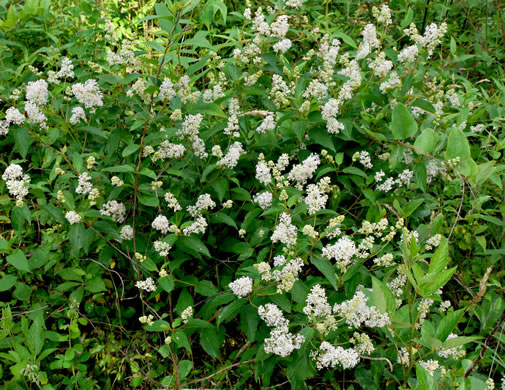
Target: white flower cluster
[
  {"x": 197, "y": 227},
  {"x": 317, "y": 304},
  {"x": 385, "y": 260},
  {"x": 147, "y": 320},
  {"x": 317, "y": 197},
  {"x": 264, "y": 199},
  {"x": 204, "y": 202},
  {"x": 172, "y": 201},
  {"x": 383, "y": 15},
  {"x": 364, "y": 159},
  {"x": 191, "y": 130},
  {"x": 162, "y": 248},
  {"x": 126, "y": 233},
  {"x": 300, "y": 173},
  {"x": 363, "y": 343},
  {"x": 242, "y": 286},
  {"x": 267, "y": 124},
  {"x": 187, "y": 314},
  {"x": 263, "y": 173},
  {"x": 286, "y": 276},
  {"x": 114, "y": 209},
  {"x": 12, "y": 115},
  {"x": 394, "y": 81},
  {"x": 72, "y": 217},
  {"x": 146, "y": 285},
  {"x": 281, "y": 342},
  {"x": 422, "y": 311},
  {"x": 356, "y": 312},
  {"x": 285, "y": 232},
  {"x": 230, "y": 160},
  {"x": 431, "y": 365},
  {"x": 404, "y": 179},
  {"x": 88, "y": 94},
  {"x": 161, "y": 224},
  {"x": 233, "y": 127},
  {"x": 331, "y": 356},
  {"x": 169, "y": 150},
  {"x": 282, "y": 46},
  {"x": 433, "y": 242},
  {"x": 342, "y": 252},
  {"x": 329, "y": 112},
  {"x": 456, "y": 352},
  {"x": 78, "y": 114},
  {"x": 37, "y": 93},
  {"x": 16, "y": 181}
]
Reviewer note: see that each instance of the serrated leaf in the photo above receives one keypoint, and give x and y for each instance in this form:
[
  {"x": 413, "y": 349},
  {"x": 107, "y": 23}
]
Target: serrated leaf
[
  {"x": 440, "y": 258},
  {"x": 448, "y": 323},
  {"x": 383, "y": 298}
]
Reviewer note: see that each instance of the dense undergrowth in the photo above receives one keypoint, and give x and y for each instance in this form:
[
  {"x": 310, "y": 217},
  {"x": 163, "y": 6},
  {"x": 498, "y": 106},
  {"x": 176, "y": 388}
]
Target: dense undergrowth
[{"x": 252, "y": 195}]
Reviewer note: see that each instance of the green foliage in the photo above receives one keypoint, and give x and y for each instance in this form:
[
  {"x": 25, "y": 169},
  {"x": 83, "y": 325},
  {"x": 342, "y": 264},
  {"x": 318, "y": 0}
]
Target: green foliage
[{"x": 350, "y": 179}]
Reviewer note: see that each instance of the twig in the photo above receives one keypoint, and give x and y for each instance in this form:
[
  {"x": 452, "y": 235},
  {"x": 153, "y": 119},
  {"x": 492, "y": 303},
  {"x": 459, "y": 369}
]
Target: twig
[
  {"x": 486, "y": 346},
  {"x": 379, "y": 358},
  {"x": 220, "y": 371}
]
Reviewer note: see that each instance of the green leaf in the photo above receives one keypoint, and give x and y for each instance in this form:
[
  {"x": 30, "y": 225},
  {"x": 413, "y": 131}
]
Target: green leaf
[
  {"x": 383, "y": 298},
  {"x": 354, "y": 171},
  {"x": 430, "y": 283},
  {"x": 192, "y": 245},
  {"x": 206, "y": 109},
  {"x": 458, "y": 341},
  {"x": 326, "y": 269},
  {"x": 425, "y": 379},
  {"x": 206, "y": 288},
  {"x": 23, "y": 141},
  {"x": 440, "y": 258},
  {"x": 221, "y": 217},
  {"x": 95, "y": 285},
  {"x": 249, "y": 320},
  {"x": 35, "y": 338},
  {"x": 181, "y": 339},
  {"x": 321, "y": 137},
  {"x": 230, "y": 311},
  {"x": 166, "y": 283},
  {"x": 18, "y": 260},
  {"x": 346, "y": 38},
  {"x": 130, "y": 149},
  {"x": 457, "y": 145},
  {"x": 200, "y": 324},
  {"x": 185, "y": 367},
  {"x": 147, "y": 200},
  {"x": 209, "y": 340},
  {"x": 7, "y": 282},
  {"x": 448, "y": 323},
  {"x": 403, "y": 124},
  {"x": 426, "y": 141},
  {"x": 119, "y": 168},
  {"x": 411, "y": 207}
]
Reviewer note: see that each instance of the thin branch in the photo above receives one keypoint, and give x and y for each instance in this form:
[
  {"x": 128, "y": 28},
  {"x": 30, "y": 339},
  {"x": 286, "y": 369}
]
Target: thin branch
[{"x": 220, "y": 371}]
